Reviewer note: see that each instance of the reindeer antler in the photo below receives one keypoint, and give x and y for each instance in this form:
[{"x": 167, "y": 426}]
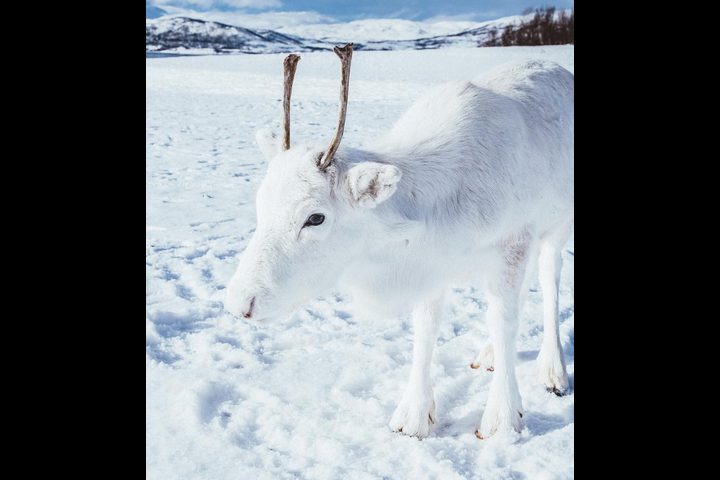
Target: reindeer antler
[
  {"x": 289, "y": 66},
  {"x": 345, "y": 54}
]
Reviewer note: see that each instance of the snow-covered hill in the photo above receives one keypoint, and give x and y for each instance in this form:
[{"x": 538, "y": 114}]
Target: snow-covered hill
[
  {"x": 183, "y": 34},
  {"x": 310, "y": 395},
  {"x": 390, "y": 29},
  {"x": 191, "y": 35}
]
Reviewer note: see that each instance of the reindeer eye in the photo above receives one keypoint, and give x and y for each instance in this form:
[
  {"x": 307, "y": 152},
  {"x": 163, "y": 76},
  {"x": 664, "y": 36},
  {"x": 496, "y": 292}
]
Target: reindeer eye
[{"x": 314, "y": 219}]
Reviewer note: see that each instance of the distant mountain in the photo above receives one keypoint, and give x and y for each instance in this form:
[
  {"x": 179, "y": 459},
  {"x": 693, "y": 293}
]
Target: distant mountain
[
  {"x": 194, "y": 36},
  {"x": 389, "y": 29},
  {"x": 377, "y": 29},
  {"x": 182, "y": 33},
  {"x": 474, "y": 37}
]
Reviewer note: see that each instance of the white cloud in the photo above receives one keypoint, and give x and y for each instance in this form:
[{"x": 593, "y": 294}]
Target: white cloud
[{"x": 211, "y": 4}]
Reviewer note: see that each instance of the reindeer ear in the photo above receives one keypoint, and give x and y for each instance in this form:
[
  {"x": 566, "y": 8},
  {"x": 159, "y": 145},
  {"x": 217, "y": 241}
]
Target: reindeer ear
[
  {"x": 268, "y": 142},
  {"x": 370, "y": 183}
]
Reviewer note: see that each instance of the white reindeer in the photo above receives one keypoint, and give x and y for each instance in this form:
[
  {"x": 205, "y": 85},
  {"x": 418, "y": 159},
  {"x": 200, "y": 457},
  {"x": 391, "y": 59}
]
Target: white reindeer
[{"x": 474, "y": 183}]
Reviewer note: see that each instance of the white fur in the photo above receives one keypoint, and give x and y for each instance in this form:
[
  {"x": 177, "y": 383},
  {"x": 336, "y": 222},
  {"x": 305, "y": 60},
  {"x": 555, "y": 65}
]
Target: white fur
[
  {"x": 268, "y": 142},
  {"x": 474, "y": 183}
]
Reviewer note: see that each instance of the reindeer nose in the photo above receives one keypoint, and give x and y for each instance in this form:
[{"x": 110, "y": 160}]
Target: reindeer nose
[{"x": 248, "y": 313}]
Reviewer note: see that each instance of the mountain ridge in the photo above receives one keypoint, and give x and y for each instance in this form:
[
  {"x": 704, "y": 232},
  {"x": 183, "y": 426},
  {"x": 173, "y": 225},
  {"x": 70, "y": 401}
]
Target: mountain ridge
[{"x": 186, "y": 35}]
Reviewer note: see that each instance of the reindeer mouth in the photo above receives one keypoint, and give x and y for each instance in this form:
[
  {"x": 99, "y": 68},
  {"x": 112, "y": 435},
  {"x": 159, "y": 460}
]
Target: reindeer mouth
[{"x": 249, "y": 313}]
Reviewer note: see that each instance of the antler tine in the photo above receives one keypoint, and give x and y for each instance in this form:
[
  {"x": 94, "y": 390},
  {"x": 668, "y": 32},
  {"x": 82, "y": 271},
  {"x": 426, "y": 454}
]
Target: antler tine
[
  {"x": 345, "y": 54},
  {"x": 289, "y": 66}
]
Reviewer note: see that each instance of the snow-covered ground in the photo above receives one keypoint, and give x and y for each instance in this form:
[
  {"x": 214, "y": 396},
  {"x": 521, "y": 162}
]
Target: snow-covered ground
[{"x": 310, "y": 396}]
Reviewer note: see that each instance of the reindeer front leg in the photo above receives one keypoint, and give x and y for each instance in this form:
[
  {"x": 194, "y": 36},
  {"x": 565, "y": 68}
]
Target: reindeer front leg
[{"x": 416, "y": 411}]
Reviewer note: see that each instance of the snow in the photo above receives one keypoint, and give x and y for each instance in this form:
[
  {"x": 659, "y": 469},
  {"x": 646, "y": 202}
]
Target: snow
[{"x": 310, "y": 396}]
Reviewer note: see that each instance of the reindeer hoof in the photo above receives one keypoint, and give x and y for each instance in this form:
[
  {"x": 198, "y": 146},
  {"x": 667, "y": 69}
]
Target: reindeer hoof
[
  {"x": 556, "y": 391},
  {"x": 414, "y": 415},
  {"x": 476, "y": 365},
  {"x": 479, "y": 435}
]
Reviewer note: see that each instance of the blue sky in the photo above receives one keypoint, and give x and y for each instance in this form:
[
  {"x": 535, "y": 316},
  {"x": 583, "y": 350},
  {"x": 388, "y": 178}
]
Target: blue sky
[{"x": 346, "y": 10}]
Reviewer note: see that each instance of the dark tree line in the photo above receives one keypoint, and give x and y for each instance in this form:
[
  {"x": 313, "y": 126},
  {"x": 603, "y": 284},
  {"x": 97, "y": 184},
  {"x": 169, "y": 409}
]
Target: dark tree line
[{"x": 544, "y": 28}]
